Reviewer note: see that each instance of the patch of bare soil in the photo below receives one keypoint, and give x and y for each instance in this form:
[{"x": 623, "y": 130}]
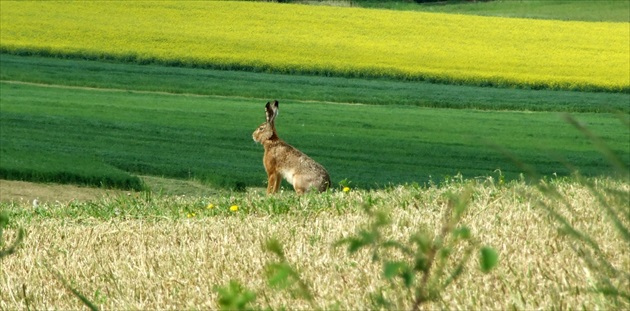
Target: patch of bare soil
[{"x": 20, "y": 191}]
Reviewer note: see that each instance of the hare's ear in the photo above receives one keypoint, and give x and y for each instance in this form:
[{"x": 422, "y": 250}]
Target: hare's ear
[{"x": 272, "y": 111}]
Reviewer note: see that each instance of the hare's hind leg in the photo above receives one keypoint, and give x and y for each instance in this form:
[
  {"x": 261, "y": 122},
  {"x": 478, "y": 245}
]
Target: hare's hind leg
[
  {"x": 299, "y": 191},
  {"x": 301, "y": 185},
  {"x": 273, "y": 183}
]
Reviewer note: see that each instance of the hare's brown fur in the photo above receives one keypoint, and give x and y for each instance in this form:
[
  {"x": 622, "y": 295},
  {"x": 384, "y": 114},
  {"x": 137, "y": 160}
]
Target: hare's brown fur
[{"x": 283, "y": 160}]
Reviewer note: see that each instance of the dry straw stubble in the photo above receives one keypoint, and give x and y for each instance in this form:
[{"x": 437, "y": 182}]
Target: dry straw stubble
[{"x": 177, "y": 262}]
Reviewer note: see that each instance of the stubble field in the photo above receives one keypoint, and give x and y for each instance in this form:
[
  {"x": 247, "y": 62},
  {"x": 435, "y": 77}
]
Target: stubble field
[{"x": 172, "y": 252}]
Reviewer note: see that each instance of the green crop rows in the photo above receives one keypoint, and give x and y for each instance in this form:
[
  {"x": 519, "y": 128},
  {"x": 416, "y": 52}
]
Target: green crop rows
[{"x": 109, "y": 132}]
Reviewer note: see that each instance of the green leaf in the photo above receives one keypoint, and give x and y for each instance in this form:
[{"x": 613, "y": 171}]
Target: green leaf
[
  {"x": 463, "y": 233},
  {"x": 283, "y": 276},
  {"x": 379, "y": 301},
  {"x": 489, "y": 258},
  {"x": 381, "y": 218},
  {"x": 455, "y": 274},
  {"x": 423, "y": 241},
  {"x": 74, "y": 291},
  {"x": 408, "y": 277},
  {"x": 392, "y": 268},
  {"x": 363, "y": 238},
  {"x": 445, "y": 252},
  {"x": 354, "y": 245},
  {"x": 274, "y": 246},
  {"x": 344, "y": 183},
  {"x": 234, "y": 297},
  {"x": 279, "y": 274},
  {"x": 422, "y": 263},
  {"x": 397, "y": 245},
  {"x": 4, "y": 220},
  {"x": 13, "y": 247}
]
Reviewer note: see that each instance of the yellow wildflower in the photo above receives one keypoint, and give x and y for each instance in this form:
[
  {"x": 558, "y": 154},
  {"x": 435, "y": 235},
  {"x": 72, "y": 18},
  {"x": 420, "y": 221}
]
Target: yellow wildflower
[
  {"x": 234, "y": 208},
  {"x": 346, "y": 189},
  {"x": 210, "y": 206}
]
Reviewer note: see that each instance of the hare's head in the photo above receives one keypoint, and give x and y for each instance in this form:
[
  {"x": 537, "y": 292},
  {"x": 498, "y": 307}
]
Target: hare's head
[{"x": 267, "y": 130}]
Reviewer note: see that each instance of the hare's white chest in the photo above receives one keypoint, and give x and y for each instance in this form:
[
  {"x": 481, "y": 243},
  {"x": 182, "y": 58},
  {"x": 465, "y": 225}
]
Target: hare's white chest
[{"x": 288, "y": 174}]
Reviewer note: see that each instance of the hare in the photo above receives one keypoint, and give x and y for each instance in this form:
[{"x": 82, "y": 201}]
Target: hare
[{"x": 283, "y": 160}]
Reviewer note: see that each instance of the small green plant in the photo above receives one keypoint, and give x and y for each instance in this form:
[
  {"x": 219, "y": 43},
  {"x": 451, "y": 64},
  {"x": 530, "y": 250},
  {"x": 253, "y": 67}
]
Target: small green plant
[
  {"x": 280, "y": 274},
  {"x": 4, "y": 221},
  {"x": 235, "y": 297},
  {"x": 608, "y": 279},
  {"x": 345, "y": 183},
  {"x": 424, "y": 264},
  {"x": 613, "y": 202},
  {"x": 89, "y": 304}
]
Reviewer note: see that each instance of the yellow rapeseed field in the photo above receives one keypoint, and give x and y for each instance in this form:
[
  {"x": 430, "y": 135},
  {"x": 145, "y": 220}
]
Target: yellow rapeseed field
[{"x": 327, "y": 40}]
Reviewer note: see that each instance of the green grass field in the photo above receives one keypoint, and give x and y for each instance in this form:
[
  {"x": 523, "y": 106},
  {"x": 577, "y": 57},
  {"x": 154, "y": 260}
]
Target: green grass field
[
  {"x": 208, "y": 137},
  {"x": 74, "y": 72}
]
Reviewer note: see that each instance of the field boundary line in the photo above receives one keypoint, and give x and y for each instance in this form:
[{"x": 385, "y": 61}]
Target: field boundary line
[{"x": 119, "y": 90}]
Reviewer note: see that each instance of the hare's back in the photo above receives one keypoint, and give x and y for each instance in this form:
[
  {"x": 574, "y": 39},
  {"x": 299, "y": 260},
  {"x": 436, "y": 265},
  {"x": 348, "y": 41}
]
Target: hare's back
[{"x": 298, "y": 163}]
